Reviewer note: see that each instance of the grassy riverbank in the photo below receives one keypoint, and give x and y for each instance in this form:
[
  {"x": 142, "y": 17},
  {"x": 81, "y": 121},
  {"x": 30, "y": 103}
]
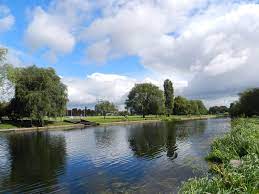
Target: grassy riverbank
[
  {"x": 7, "y": 124},
  {"x": 107, "y": 120},
  {"x": 120, "y": 119},
  {"x": 234, "y": 162}
]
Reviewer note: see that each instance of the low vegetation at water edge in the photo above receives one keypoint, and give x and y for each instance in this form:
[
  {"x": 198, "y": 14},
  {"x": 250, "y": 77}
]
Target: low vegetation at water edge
[{"x": 234, "y": 162}]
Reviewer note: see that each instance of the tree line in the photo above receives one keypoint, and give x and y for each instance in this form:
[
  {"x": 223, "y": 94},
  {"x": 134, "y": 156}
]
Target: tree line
[
  {"x": 218, "y": 110},
  {"x": 147, "y": 99},
  {"x": 39, "y": 93}
]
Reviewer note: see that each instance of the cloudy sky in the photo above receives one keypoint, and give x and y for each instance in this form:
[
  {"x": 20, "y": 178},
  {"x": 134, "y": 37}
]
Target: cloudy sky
[{"x": 101, "y": 48}]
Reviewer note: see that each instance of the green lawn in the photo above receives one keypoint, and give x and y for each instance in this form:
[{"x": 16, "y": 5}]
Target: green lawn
[
  {"x": 7, "y": 126},
  {"x": 11, "y": 125},
  {"x": 240, "y": 144},
  {"x": 101, "y": 120},
  {"x": 114, "y": 119}
]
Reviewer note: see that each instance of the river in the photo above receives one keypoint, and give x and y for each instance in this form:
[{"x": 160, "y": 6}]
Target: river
[{"x": 139, "y": 157}]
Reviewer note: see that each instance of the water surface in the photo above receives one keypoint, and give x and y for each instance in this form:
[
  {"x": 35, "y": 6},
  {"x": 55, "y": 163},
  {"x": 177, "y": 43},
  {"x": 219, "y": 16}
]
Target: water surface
[{"x": 142, "y": 158}]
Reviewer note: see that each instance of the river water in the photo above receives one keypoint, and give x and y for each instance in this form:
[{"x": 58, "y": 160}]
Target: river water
[{"x": 134, "y": 158}]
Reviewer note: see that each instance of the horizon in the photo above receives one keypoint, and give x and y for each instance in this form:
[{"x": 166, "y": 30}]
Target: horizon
[{"x": 208, "y": 48}]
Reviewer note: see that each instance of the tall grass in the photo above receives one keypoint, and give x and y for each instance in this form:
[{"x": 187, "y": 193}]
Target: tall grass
[{"x": 241, "y": 143}]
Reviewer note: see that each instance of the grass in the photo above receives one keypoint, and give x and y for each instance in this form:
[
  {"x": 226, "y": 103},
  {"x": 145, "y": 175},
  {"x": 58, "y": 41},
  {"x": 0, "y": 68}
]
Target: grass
[
  {"x": 241, "y": 143},
  {"x": 114, "y": 119},
  {"x": 7, "y": 124}
]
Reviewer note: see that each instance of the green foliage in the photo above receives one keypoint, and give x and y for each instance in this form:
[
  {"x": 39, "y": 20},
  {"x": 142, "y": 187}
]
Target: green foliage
[
  {"x": 145, "y": 99},
  {"x": 247, "y": 105},
  {"x": 3, "y": 109},
  {"x": 169, "y": 96},
  {"x": 38, "y": 93},
  {"x": 218, "y": 110},
  {"x": 241, "y": 143},
  {"x": 105, "y": 107},
  {"x": 201, "y": 107},
  {"x": 183, "y": 106}
]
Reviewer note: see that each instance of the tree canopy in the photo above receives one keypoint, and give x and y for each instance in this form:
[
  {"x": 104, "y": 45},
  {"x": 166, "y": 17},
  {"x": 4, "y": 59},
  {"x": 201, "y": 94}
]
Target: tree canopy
[
  {"x": 248, "y": 103},
  {"x": 38, "y": 93},
  {"x": 218, "y": 110},
  {"x": 183, "y": 106},
  {"x": 169, "y": 96},
  {"x": 145, "y": 99},
  {"x": 105, "y": 107}
]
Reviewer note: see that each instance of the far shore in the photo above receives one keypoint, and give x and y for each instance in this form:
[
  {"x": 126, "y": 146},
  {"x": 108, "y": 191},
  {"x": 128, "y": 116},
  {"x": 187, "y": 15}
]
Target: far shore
[{"x": 109, "y": 120}]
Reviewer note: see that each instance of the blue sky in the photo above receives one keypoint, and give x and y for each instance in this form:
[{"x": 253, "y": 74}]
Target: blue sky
[
  {"x": 72, "y": 64},
  {"x": 102, "y": 48}
]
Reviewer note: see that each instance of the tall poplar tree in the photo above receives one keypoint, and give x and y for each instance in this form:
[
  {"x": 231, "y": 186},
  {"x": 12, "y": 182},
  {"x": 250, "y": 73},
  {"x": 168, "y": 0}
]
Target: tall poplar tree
[{"x": 169, "y": 96}]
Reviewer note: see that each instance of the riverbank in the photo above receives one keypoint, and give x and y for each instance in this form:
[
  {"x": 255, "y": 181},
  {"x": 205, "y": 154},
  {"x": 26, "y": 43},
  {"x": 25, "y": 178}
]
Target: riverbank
[
  {"x": 129, "y": 119},
  {"x": 108, "y": 120},
  {"x": 233, "y": 160},
  {"x": 58, "y": 127}
]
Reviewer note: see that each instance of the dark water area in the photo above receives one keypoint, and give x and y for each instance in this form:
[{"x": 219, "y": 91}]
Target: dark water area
[{"x": 135, "y": 158}]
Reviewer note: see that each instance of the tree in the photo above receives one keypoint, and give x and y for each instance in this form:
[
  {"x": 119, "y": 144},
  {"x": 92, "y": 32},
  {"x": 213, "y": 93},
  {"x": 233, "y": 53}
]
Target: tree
[
  {"x": 249, "y": 101},
  {"x": 169, "y": 96},
  {"x": 181, "y": 106},
  {"x": 218, "y": 110},
  {"x": 201, "y": 107},
  {"x": 105, "y": 107},
  {"x": 38, "y": 93},
  {"x": 235, "y": 109},
  {"x": 3, "y": 110},
  {"x": 193, "y": 108},
  {"x": 247, "y": 105},
  {"x": 145, "y": 99}
]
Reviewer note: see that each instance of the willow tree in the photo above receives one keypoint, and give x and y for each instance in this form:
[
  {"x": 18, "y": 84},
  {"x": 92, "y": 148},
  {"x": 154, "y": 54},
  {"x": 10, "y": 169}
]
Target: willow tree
[{"x": 39, "y": 92}]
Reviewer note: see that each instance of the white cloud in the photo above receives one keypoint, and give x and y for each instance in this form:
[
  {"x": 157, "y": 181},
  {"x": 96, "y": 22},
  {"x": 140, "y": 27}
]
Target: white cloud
[
  {"x": 112, "y": 87},
  {"x": 6, "y": 19},
  {"x": 46, "y": 30},
  {"x": 56, "y": 27},
  {"x": 210, "y": 44},
  {"x": 220, "y": 101},
  {"x": 98, "y": 86}
]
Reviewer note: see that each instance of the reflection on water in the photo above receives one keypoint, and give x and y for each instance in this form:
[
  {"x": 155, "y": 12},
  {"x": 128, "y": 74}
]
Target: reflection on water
[
  {"x": 35, "y": 158},
  {"x": 148, "y": 157},
  {"x": 152, "y": 140}
]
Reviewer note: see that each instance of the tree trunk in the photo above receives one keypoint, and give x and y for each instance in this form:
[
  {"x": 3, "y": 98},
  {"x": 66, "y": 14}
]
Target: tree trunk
[
  {"x": 144, "y": 116},
  {"x": 41, "y": 122}
]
